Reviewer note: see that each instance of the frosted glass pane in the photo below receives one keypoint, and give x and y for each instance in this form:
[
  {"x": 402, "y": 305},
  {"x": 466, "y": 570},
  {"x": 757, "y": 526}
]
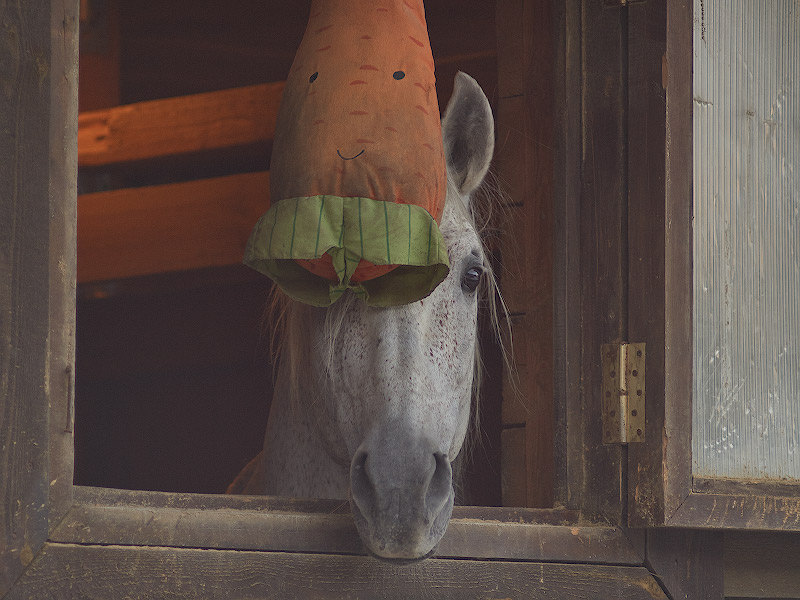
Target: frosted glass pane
[{"x": 746, "y": 418}]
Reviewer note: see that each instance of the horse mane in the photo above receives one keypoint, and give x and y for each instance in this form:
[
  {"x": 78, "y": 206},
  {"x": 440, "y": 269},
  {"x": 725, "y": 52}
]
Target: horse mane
[{"x": 289, "y": 322}]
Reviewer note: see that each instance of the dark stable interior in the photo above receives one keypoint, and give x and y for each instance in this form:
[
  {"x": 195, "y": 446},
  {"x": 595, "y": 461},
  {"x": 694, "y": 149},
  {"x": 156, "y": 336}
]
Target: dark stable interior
[{"x": 174, "y": 369}]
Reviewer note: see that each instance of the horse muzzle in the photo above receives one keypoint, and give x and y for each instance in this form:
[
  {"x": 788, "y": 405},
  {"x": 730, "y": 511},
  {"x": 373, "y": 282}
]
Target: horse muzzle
[{"x": 401, "y": 495}]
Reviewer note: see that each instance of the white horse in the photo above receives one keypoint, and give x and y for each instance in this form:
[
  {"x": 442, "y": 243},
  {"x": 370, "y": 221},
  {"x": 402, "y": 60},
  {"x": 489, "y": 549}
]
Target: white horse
[{"x": 373, "y": 404}]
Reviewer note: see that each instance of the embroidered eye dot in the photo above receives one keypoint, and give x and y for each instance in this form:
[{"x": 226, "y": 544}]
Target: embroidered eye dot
[
  {"x": 313, "y": 77},
  {"x": 398, "y": 74}
]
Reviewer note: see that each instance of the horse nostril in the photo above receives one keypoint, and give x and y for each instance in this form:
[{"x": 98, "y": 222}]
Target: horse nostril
[
  {"x": 360, "y": 484},
  {"x": 360, "y": 461},
  {"x": 439, "y": 487}
]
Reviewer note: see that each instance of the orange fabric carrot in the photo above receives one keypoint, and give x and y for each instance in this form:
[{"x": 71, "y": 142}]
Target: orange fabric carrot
[{"x": 357, "y": 164}]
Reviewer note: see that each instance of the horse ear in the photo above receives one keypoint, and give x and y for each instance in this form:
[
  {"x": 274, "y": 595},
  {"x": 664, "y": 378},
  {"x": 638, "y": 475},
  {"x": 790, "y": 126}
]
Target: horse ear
[{"x": 468, "y": 132}]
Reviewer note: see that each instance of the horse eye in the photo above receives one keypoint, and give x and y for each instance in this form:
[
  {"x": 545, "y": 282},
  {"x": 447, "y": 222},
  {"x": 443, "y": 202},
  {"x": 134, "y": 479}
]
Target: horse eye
[
  {"x": 313, "y": 77},
  {"x": 471, "y": 279},
  {"x": 398, "y": 74}
]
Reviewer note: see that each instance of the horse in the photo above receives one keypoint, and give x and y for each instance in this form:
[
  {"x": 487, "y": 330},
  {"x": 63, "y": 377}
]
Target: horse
[{"x": 373, "y": 404}]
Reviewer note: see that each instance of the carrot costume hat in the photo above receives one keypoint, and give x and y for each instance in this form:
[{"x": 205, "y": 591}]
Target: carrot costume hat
[{"x": 357, "y": 179}]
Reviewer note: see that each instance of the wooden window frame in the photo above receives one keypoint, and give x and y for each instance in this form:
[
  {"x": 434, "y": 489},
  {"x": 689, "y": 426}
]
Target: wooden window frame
[
  {"x": 57, "y": 539},
  {"x": 661, "y": 488}
]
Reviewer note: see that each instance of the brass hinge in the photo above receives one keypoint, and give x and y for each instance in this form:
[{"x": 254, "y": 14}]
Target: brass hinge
[{"x": 623, "y": 393}]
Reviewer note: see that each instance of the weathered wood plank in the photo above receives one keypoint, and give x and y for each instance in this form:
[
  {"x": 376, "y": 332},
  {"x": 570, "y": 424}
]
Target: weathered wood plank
[
  {"x": 647, "y": 108},
  {"x": 757, "y": 487},
  {"x": 174, "y": 227},
  {"x": 515, "y": 409},
  {"x": 509, "y": 160},
  {"x": 762, "y": 564},
  {"x": 569, "y": 419},
  {"x": 221, "y": 528},
  {"x": 72, "y": 571},
  {"x": 63, "y": 242},
  {"x": 182, "y": 125},
  {"x": 319, "y": 532},
  {"x": 99, "y": 496},
  {"x": 659, "y": 226},
  {"x": 513, "y": 470},
  {"x": 264, "y": 523},
  {"x": 676, "y": 76},
  {"x": 589, "y": 544},
  {"x": 603, "y": 245},
  {"x": 27, "y": 147},
  {"x": 738, "y": 512},
  {"x": 528, "y": 404},
  {"x": 689, "y": 564},
  {"x": 138, "y": 498},
  {"x": 525, "y": 153}
]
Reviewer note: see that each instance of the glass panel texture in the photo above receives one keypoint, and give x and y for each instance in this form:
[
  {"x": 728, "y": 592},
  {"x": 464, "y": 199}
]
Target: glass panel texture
[{"x": 746, "y": 416}]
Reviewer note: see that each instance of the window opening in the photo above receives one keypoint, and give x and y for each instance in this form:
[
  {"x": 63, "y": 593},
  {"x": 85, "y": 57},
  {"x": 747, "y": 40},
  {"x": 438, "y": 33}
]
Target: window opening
[{"x": 173, "y": 375}]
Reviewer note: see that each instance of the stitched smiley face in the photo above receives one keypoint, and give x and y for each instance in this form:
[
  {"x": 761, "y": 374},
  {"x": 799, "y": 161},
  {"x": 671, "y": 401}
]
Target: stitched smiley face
[{"x": 360, "y": 115}]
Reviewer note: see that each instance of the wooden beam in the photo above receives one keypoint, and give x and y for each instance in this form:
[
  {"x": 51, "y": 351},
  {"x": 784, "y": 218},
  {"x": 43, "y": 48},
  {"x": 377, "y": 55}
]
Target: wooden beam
[
  {"x": 246, "y": 529},
  {"x": 567, "y": 323},
  {"x": 140, "y": 518},
  {"x": 743, "y": 511},
  {"x": 175, "y": 227},
  {"x": 603, "y": 250},
  {"x": 62, "y": 217},
  {"x": 660, "y": 175},
  {"x": 181, "y": 125},
  {"x": 37, "y": 187},
  {"x": 67, "y": 570}
]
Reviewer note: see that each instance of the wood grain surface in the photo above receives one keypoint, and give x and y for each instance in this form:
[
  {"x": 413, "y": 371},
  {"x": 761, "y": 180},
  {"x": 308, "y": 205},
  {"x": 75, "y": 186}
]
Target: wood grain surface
[
  {"x": 235, "y": 117},
  {"x": 524, "y": 165},
  {"x": 27, "y": 147},
  {"x": 264, "y": 523},
  {"x": 173, "y": 227},
  {"x": 71, "y": 571}
]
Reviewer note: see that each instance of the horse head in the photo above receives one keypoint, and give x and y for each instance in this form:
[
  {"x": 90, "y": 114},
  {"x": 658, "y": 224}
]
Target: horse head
[
  {"x": 373, "y": 403},
  {"x": 400, "y": 379}
]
